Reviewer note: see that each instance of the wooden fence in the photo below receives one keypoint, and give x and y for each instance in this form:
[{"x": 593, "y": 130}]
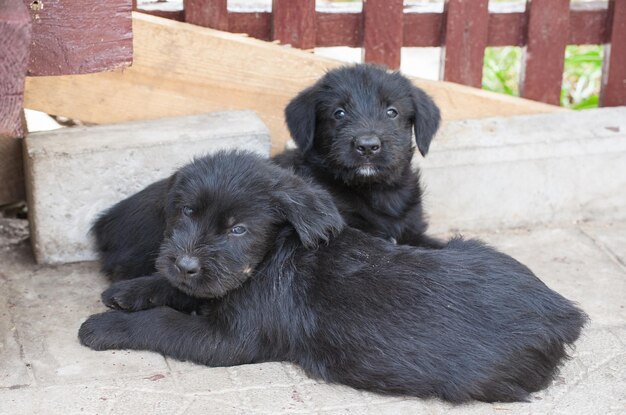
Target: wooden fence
[{"x": 465, "y": 27}]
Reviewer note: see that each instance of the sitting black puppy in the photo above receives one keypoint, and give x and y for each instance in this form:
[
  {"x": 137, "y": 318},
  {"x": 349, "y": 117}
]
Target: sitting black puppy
[
  {"x": 354, "y": 131},
  {"x": 266, "y": 256}
]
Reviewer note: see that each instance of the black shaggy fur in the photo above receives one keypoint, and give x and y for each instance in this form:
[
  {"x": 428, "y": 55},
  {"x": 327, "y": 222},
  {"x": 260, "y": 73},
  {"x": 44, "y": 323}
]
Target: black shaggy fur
[
  {"x": 377, "y": 192},
  {"x": 266, "y": 256},
  {"x": 386, "y": 202}
]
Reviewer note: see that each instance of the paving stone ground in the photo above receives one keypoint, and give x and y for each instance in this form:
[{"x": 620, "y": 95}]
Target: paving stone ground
[{"x": 44, "y": 369}]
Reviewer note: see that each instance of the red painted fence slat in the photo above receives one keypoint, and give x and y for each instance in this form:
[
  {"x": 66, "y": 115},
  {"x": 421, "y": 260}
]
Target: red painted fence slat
[
  {"x": 207, "y": 13},
  {"x": 542, "y": 63},
  {"x": 466, "y": 34},
  {"x": 587, "y": 23},
  {"x": 614, "y": 69},
  {"x": 382, "y": 32},
  {"x": 255, "y": 24},
  {"x": 339, "y": 29},
  {"x": 293, "y": 22},
  {"x": 507, "y": 29},
  {"x": 422, "y": 29}
]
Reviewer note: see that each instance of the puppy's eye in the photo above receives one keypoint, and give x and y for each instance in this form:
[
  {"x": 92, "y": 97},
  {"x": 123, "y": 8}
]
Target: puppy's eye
[
  {"x": 187, "y": 211},
  {"x": 392, "y": 112},
  {"x": 238, "y": 230},
  {"x": 339, "y": 114}
]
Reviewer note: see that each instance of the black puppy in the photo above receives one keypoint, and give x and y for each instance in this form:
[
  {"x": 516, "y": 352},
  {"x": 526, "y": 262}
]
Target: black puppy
[
  {"x": 354, "y": 130},
  {"x": 266, "y": 257}
]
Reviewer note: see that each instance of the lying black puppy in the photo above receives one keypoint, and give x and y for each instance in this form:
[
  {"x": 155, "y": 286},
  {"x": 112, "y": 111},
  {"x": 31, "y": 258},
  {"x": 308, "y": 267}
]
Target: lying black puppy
[
  {"x": 354, "y": 131},
  {"x": 267, "y": 258}
]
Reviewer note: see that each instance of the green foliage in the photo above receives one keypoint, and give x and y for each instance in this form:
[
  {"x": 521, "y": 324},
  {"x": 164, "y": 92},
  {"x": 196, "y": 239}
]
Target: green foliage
[
  {"x": 501, "y": 70},
  {"x": 582, "y": 75},
  {"x": 581, "y": 78}
]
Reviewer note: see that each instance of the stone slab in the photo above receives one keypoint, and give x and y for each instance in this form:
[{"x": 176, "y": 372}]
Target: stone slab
[
  {"x": 527, "y": 170},
  {"x": 75, "y": 173}
]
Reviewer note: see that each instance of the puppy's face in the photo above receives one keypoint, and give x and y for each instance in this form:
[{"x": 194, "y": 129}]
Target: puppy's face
[
  {"x": 360, "y": 120},
  {"x": 223, "y": 215}
]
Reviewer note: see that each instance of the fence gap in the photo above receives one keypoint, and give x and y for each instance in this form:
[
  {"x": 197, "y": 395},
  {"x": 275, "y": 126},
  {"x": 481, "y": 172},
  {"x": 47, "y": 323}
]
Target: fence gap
[
  {"x": 613, "y": 90},
  {"x": 293, "y": 22},
  {"x": 542, "y": 61},
  {"x": 383, "y": 32}
]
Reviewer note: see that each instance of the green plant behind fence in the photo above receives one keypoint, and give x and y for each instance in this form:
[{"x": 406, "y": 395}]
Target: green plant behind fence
[{"x": 581, "y": 77}]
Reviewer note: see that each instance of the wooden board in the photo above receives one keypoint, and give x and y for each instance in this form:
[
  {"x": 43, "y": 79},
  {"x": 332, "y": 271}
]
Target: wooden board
[
  {"x": 542, "y": 63},
  {"x": 382, "y": 32},
  {"x": 15, "y": 35},
  {"x": 466, "y": 37},
  {"x": 182, "y": 69},
  {"x": 79, "y": 36},
  {"x": 293, "y": 23},
  {"x": 614, "y": 70},
  {"x": 207, "y": 13}
]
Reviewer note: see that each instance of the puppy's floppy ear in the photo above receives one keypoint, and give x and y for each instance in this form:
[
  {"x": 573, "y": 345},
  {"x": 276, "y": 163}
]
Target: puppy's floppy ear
[
  {"x": 427, "y": 119},
  {"x": 310, "y": 209},
  {"x": 300, "y": 116}
]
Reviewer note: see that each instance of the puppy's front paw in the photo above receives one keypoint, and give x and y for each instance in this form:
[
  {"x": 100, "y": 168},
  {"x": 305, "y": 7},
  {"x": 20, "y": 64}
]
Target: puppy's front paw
[
  {"x": 105, "y": 331},
  {"x": 132, "y": 295}
]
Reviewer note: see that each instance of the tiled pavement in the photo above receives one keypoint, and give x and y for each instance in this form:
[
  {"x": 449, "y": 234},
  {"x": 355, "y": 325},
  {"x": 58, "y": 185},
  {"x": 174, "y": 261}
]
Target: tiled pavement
[{"x": 44, "y": 370}]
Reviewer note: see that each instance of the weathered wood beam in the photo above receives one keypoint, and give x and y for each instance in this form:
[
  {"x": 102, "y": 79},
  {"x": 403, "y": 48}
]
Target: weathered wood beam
[
  {"x": 15, "y": 36},
  {"x": 79, "y": 36},
  {"x": 182, "y": 69}
]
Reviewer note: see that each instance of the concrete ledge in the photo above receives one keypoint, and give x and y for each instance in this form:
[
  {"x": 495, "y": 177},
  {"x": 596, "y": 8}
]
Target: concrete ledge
[
  {"x": 523, "y": 170},
  {"x": 72, "y": 174}
]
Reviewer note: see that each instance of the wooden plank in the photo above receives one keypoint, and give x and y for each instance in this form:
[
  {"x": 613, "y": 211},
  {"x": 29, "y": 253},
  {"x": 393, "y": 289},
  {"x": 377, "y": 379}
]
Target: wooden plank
[
  {"x": 79, "y": 36},
  {"x": 422, "y": 29},
  {"x": 256, "y": 24},
  {"x": 382, "y": 32},
  {"x": 339, "y": 29},
  {"x": 507, "y": 29},
  {"x": 542, "y": 63},
  {"x": 613, "y": 91},
  {"x": 15, "y": 36},
  {"x": 210, "y": 71},
  {"x": 293, "y": 22},
  {"x": 207, "y": 13},
  {"x": 465, "y": 37},
  {"x": 588, "y": 23}
]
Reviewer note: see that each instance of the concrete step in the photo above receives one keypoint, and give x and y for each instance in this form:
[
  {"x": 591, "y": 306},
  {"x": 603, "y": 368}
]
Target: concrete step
[
  {"x": 72, "y": 174},
  {"x": 527, "y": 170}
]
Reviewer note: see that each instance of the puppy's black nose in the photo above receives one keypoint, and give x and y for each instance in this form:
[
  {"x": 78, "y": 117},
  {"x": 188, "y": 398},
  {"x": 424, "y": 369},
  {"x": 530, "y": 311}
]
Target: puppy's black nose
[
  {"x": 367, "y": 145},
  {"x": 188, "y": 265}
]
